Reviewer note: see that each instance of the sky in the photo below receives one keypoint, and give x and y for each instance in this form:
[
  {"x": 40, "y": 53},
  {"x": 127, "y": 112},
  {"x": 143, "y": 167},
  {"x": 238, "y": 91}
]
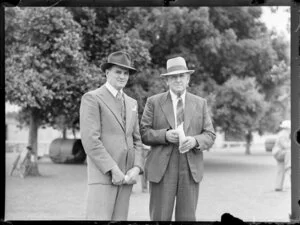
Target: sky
[{"x": 278, "y": 21}]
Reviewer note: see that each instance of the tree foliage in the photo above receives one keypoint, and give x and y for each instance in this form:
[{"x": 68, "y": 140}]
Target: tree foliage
[
  {"x": 239, "y": 106},
  {"x": 43, "y": 62},
  {"x": 53, "y": 56}
]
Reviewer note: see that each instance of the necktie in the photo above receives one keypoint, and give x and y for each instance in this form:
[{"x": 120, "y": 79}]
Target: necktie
[
  {"x": 179, "y": 111},
  {"x": 122, "y": 103}
]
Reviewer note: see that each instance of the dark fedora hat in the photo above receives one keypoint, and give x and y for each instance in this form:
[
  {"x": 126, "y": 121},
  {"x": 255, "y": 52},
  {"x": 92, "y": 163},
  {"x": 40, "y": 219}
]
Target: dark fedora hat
[{"x": 118, "y": 58}]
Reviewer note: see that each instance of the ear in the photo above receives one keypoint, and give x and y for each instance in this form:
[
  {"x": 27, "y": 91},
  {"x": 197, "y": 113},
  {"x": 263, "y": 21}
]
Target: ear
[
  {"x": 106, "y": 72},
  {"x": 165, "y": 79},
  {"x": 189, "y": 78}
]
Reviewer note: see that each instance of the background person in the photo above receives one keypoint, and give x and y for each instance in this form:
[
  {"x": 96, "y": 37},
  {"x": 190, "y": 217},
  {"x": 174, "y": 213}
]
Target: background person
[{"x": 282, "y": 153}]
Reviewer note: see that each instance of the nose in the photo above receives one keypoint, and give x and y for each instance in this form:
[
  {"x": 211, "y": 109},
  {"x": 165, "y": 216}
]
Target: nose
[
  {"x": 123, "y": 75},
  {"x": 177, "y": 78}
]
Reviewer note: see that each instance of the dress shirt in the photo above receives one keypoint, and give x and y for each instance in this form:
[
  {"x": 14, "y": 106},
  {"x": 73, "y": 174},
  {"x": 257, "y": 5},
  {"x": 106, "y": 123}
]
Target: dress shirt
[
  {"x": 112, "y": 90},
  {"x": 174, "y": 98}
]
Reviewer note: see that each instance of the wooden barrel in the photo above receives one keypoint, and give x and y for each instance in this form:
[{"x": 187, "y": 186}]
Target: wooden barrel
[{"x": 66, "y": 151}]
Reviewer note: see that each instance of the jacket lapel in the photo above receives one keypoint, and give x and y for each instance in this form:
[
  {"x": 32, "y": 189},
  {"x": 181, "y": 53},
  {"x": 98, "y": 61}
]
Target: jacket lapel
[
  {"x": 167, "y": 108},
  {"x": 189, "y": 110},
  {"x": 129, "y": 107},
  {"x": 109, "y": 100}
]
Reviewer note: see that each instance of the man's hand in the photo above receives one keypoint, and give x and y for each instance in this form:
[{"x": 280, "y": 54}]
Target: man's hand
[
  {"x": 172, "y": 136},
  {"x": 117, "y": 175},
  {"x": 131, "y": 175},
  {"x": 188, "y": 143}
]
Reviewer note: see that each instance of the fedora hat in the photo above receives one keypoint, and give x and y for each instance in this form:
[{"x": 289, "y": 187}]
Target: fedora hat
[
  {"x": 118, "y": 58},
  {"x": 176, "y": 65},
  {"x": 285, "y": 124}
]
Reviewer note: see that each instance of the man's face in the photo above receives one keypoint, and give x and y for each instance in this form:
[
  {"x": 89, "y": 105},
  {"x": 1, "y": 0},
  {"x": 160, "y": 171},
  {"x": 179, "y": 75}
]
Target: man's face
[
  {"x": 178, "y": 82},
  {"x": 117, "y": 76}
]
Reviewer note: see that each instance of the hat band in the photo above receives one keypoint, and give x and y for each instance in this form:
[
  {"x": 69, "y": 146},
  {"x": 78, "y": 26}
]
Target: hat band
[
  {"x": 120, "y": 61},
  {"x": 176, "y": 68}
]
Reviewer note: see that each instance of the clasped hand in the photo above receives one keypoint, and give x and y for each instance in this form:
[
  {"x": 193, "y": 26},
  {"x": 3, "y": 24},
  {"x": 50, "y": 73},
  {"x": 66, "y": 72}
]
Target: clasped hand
[
  {"x": 118, "y": 177},
  {"x": 188, "y": 143},
  {"x": 131, "y": 175},
  {"x": 172, "y": 136}
]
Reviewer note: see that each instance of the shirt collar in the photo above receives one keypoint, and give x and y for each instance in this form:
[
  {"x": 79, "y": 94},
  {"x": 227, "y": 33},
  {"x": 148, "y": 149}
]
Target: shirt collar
[
  {"x": 174, "y": 96},
  {"x": 112, "y": 90}
]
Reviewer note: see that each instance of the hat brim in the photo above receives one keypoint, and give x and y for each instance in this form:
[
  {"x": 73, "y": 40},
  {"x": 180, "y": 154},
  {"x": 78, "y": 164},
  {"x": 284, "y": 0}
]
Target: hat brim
[
  {"x": 105, "y": 66},
  {"x": 178, "y": 72},
  {"x": 285, "y": 127}
]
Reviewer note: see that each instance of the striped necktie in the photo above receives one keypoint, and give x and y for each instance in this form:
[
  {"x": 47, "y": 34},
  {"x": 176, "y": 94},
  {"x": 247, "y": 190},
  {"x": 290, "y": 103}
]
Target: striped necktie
[
  {"x": 179, "y": 111},
  {"x": 121, "y": 100}
]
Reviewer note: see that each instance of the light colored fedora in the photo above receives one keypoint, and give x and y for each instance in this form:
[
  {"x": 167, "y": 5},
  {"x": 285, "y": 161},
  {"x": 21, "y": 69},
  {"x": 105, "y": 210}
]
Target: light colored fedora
[
  {"x": 177, "y": 65},
  {"x": 285, "y": 124},
  {"x": 118, "y": 58}
]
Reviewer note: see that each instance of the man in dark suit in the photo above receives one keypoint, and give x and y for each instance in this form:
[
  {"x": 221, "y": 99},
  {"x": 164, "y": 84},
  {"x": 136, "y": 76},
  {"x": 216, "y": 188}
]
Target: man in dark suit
[
  {"x": 111, "y": 139},
  {"x": 177, "y": 126}
]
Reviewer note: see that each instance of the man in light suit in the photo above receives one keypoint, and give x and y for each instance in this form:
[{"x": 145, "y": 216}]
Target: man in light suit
[
  {"x": 110, "y": 136},
  {"x": 282, "y": 153},
  {"x": 175, "y": 172}
]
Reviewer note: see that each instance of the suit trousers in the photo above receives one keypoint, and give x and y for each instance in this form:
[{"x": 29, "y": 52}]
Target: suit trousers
[
  {"x": 283, "y": 168},
  {"x": 108, "y": 202},
  {"x": 177, "y": 183}
]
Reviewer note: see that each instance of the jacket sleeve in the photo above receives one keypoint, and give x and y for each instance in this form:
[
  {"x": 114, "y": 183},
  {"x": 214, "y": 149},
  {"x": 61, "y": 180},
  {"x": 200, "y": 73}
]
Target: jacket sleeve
[
  {"x": 151, "y": 136},
  {"x": 282, "y": 143},
  {"x": 90, "y": 131},
  {"x": 138, "y": 146},
  {"x": 207, "y": 137}
]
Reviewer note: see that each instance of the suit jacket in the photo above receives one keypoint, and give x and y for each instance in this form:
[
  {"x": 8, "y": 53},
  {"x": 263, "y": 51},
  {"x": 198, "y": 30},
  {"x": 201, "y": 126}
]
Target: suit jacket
[
  {"x": 158, "y": 116},
  {"x": 282, "y": 144},
  {"x": 105, "y": 139}
]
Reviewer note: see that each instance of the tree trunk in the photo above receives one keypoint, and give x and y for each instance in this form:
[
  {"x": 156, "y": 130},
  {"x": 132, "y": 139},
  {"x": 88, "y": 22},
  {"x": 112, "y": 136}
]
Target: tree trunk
[
  {"x": 74, "y": 132},
  {"x": 64, "y": 133},
  {"x": 32, "y": 141},
  {"x": 248, "y": 152},
  {"x": 248, "y": 138}
]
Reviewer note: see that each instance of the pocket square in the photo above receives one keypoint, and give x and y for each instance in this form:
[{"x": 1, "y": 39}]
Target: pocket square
[{"x": 134, "y": 108}]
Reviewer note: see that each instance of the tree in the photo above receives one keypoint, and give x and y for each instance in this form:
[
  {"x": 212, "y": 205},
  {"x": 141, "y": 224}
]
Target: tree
[
  {"x": 277, "y": 86},
  {"x": 239, "y": 107},
  {"x": 223, "y": 46},
  {"x": 109, "y": 29},
  {"x": 279, "y": 98},
  {"x": 221, "y": 43},
  {"x": 46, "y": 72}
]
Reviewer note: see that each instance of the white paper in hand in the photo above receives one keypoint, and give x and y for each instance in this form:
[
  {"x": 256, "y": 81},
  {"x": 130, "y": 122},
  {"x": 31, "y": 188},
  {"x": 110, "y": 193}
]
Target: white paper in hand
[{"x": 181, "y": 136}]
